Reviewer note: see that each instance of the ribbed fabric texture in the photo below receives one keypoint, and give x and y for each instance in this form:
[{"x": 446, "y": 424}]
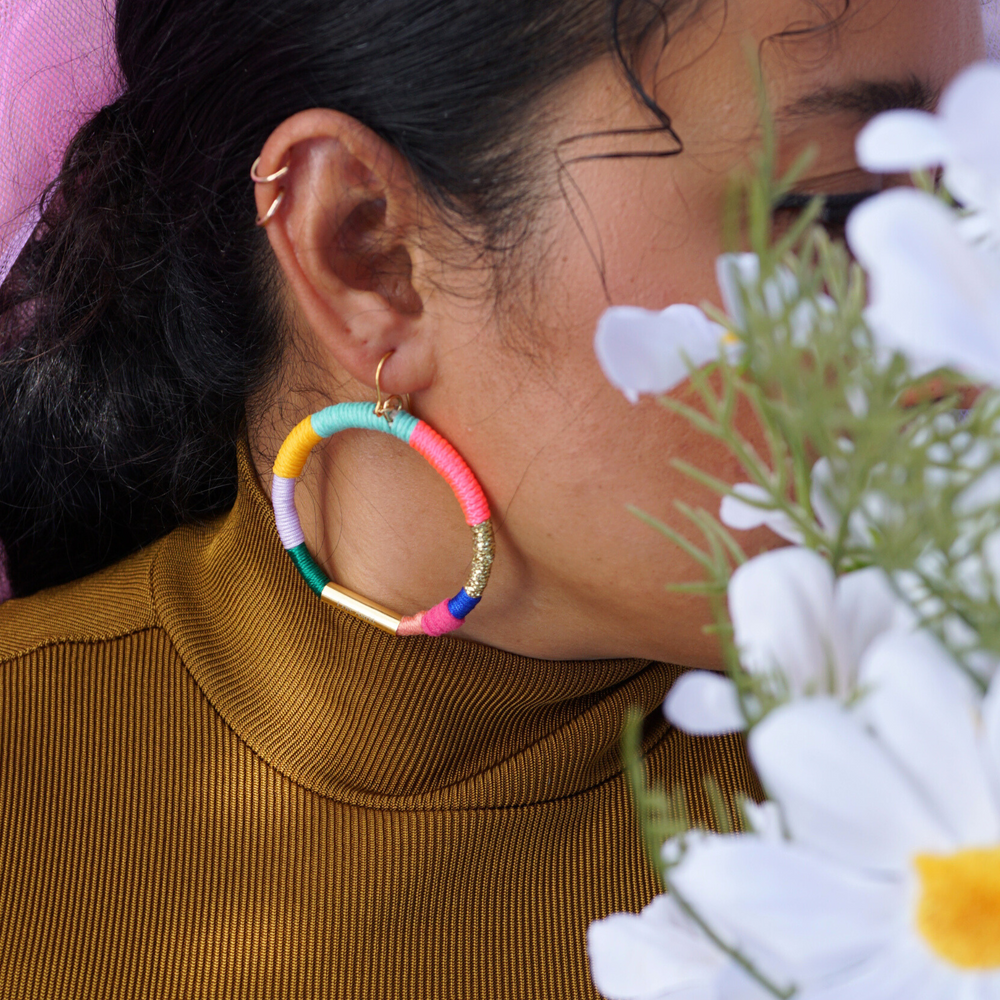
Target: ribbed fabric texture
[{"x": 212, "y": 785}]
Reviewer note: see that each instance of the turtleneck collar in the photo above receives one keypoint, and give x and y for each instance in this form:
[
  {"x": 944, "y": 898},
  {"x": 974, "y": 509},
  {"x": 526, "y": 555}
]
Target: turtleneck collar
[{"x": 350, "y": 712}]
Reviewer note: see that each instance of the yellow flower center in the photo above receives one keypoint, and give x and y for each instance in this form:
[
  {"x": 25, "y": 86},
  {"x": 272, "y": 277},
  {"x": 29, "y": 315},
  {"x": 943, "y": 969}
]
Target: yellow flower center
[{"x": 959, "y": 909}]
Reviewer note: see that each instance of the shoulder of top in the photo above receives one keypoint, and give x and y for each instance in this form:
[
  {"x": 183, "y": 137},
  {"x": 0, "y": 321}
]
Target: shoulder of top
[{"x": 107, "y": 605}]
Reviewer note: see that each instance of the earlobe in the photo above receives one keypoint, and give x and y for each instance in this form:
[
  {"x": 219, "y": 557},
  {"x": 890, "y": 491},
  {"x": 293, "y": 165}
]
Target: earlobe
[{"x": 341, "y": 234}]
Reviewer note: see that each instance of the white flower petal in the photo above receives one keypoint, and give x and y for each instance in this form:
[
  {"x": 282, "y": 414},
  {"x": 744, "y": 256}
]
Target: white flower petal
[
  {"x": 738, "y": 275},
  {"x": 903, "y": 141},
  {"x": 704, "y": 703},
  {"x": 926, "y": 283},
  {"x": 867, "y": 606},
  {"x": 735, "y": 984},
  {"x": 740, "y": 513},
  {"x": 735, "y": 271},
  {"x": 991, "y": 728},
  {"x": 764, "y": 820},
  {"x": 839, "y": 791},
  {"x": 659, "y": 953},
  {"x": 782, "y": 608},
  {"x": 789, "y": 908},
  {"x": 821, "y": 488},
  {"x": 808, "y": 314},
  {"x": 974, "y": 192},
  {"x": 925, "y": 711},
  {"x": 905, "y": 970},
  {"x": 970, "y": 112},
  {"x": 643, "y": 352},
  {"x": 974, "y": 986},
  {"x": 981, "y": 493}
]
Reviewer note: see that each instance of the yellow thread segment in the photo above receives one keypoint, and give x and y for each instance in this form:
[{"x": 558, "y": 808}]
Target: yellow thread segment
[
  {"x": 294, "y": 452},
  {"x": 959, "y": 910},
  {"x": 484, "y": 549}
]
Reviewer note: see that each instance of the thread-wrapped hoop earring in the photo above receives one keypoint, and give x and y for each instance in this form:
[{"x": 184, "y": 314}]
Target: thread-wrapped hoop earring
[{"x": 388, "y": 417}]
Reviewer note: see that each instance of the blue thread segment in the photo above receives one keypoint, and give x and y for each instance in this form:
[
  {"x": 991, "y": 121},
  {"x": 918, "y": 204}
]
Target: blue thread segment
[
  {"x": 361, "y": 416},
  {"x": 461, "y": 604}
]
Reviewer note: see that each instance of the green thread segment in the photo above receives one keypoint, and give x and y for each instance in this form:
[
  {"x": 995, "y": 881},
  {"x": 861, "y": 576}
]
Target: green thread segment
[{"x": 309, "y": 568}]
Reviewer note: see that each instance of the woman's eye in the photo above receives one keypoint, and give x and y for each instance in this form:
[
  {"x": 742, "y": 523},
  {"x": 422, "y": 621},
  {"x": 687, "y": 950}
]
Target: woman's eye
[{"x": 836, "y": 208}]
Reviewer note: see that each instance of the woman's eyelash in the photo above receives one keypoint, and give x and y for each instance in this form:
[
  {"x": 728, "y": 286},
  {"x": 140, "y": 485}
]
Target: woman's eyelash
[{"x": 836, "y": 207}]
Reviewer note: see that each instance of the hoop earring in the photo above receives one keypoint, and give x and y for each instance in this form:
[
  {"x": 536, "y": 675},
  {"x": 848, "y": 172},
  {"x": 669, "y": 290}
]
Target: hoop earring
[
  {"x": 270, "y": 179},
  {"x": 272, "y": 211},
  {"x": 393, "y": 419}
]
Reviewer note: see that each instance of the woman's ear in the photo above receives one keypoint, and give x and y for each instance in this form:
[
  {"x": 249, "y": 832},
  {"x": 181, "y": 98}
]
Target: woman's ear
[{"x": 343, "y": 235}]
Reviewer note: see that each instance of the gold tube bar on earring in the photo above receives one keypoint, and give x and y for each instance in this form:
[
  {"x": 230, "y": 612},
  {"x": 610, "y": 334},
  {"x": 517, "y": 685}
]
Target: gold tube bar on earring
[{"x": 374, "y": 613}]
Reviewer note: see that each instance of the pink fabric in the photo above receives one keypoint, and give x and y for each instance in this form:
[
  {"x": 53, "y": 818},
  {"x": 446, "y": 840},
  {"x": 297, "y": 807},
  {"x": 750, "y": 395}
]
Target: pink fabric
[
  {"x": 452, "y": 467},
  {"x": 58, "y": 68}
]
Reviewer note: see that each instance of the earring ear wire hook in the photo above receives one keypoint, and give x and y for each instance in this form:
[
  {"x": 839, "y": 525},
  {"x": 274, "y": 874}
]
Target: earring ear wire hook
[{"x": 391, "y": 405}]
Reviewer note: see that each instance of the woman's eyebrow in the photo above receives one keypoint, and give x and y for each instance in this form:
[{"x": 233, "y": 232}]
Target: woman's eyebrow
[{"x": 864, "y": 99}]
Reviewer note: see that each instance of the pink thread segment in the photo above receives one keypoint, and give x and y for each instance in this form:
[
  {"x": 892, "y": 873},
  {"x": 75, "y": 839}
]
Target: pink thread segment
[
  {"x": 440, "y": 621},
  {"x": 412, "y": 625},
  {"x": 458, "y": 475},
  {"x": 286, "y": 517}
]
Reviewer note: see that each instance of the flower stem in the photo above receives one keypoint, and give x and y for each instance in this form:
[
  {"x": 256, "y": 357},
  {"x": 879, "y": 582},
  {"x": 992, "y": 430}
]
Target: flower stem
[{"x": 734, "y": 953}]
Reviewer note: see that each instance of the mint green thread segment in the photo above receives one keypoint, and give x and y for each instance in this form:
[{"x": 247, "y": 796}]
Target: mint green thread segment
[
  {"x": 309, "y": 568},
  {"x": 361, "y": 416},
  {"x": 404, "y": 425}
]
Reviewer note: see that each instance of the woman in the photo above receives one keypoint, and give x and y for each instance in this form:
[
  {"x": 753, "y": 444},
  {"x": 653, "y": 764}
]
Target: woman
[{"x": 213, "y": 783}]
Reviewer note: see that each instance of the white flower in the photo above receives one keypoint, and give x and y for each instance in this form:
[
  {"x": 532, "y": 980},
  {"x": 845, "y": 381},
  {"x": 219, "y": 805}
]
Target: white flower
[
  {"x": 703, "y": 703},
  {"x": 888, "y": 887},
  {"x": 934, "y": 298},
  {"x": 643, "y": 352},
  {"x": 794, "y": 625},
  {"x": 649, "y": 353},
  {"x": 660, "y": 954},
  {"x": 738, "y": 275},
  {"x": 963, "y": 137},
  {"x": 751, "y": 506}
]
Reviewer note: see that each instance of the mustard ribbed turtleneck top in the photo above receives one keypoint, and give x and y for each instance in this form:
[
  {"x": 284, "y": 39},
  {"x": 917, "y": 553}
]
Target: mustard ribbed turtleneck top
[{"x": 213, "y": 785}]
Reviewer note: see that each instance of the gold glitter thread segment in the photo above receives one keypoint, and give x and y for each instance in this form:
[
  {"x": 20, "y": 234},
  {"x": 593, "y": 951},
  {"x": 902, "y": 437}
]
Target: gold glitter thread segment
[
  {"x": 484, "y": 549},
  {"x": 294, "y": 452},
  {"x": 371, "y": 612}
]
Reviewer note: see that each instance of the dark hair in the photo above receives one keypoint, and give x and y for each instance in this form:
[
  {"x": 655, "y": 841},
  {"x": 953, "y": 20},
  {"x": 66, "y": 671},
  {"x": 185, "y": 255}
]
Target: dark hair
[{"x": 141, "y": 316}]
